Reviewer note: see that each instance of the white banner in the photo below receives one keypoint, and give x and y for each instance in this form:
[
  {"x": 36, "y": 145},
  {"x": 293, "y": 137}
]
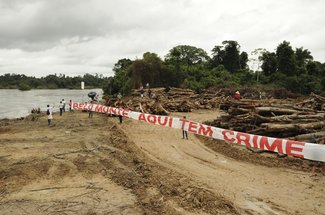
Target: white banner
[{"x": 304, "y": 150}]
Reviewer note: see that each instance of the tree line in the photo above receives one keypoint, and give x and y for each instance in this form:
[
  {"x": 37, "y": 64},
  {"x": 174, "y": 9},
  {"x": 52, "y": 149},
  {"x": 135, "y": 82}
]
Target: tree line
[
  {"x": 191, "y": 67},
  {"x": 23, "y": 82}
]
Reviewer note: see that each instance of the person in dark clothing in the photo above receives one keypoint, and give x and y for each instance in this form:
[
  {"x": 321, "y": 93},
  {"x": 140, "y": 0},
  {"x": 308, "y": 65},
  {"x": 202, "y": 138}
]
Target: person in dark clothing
[
  {"x": 63, "y": 102},
  {"x": 184, "y": 132},
  {"x": 91, "y": 112},
  {"x": 70, "y": 106},
  {"x": 49, "y": 111},
  {"x": 149, "y": 93},
  {"x": 120, "y": 105}
]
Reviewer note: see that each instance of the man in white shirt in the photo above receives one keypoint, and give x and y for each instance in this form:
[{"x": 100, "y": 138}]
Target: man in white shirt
[
  {"x": 63, "y": 102},
  {"x": 61, "y": 108},
  {"x": 49, "y": 111}
]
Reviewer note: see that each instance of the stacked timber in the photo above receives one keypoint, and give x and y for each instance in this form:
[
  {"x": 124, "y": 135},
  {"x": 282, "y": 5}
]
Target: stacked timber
[
  {"x": 275, "y": 118},
  {"x": 315, "y": 102},
  {"x": 162, "y": 100}
]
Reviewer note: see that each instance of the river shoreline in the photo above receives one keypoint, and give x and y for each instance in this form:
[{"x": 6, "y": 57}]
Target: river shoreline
[{"x": 18, "y": 104}]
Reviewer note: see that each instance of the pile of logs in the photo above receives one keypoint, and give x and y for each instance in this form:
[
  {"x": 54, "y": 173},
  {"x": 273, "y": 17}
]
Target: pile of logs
[
  {"x": 163, "y": 101},
  {"x": 315, "y": 102},
  {"x": 302, "y": 121}
]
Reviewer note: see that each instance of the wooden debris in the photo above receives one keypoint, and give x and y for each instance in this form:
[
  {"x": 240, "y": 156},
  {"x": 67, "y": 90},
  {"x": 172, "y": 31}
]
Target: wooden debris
[
  {"x": 294, "y": 119},
  {"x": 164, "y": 101}
]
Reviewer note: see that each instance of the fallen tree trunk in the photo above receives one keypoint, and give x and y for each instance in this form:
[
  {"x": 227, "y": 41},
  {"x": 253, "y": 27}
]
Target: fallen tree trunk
[
  {"x": 238, "y": 111},
  {"x": 267, "y": 111},
  {"x": 141, "y": 108},
  {"x": 310, "y": 137},
  {"x": 290, "y": 118},
  {"x": 157, "y": 108},
  {"x": 275, "y": 127}
]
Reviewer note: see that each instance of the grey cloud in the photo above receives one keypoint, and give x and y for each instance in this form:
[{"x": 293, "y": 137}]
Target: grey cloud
[
  {"x": 93, "y": 35},
  {"x": 42, "y": 24}
]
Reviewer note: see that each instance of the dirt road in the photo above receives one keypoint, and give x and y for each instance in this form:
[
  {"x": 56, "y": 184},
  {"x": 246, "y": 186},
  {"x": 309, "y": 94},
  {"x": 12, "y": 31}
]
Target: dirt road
[
  {"x": 257, "y": 189},
  {"x": 97, "y": 166}
]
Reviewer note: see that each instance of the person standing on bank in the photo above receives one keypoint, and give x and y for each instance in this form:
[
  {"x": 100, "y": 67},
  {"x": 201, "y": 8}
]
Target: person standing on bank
[
  {"x": 120, "y": 117},
  {"x": 63, "y": 102},
  {"x": 49, "y": 111},
  {"x": 149, "y": 93},
  {"x": 61, "y": 108},
  {"x": 70, "y": 106},
  {"x": 91, "y": 112},
  {"x": 184, "y": 132}
]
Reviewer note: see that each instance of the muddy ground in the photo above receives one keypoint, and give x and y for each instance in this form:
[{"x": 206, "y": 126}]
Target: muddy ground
[{"x": 97, "y": 166}]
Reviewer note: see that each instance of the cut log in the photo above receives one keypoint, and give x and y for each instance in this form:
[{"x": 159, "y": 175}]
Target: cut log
[
  {"x": 157, "y": 108},
  {"x": 266, "y": 111},
  {"x": 309, "y": 126},
  {"x": 141, "y": 108},
  {"x": 290, "y": 118},
  {"x": 311, "y": 137},
  {"x": 275, "y": 127},
  {"x": 238, "y": 111}
]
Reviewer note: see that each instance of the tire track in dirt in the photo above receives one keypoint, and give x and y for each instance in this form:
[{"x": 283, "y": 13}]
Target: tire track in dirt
[{"x": 160, "y": 190}]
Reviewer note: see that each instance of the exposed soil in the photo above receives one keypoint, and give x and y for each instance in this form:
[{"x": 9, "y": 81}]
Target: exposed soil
[
  {"x": 93, "y": 166},
  {"x": 97, "y": 166},
  {"x": 262, "y": 185}
]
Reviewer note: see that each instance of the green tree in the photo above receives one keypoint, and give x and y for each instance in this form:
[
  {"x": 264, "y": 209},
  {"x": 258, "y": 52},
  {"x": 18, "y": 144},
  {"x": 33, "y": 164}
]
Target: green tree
[
  {"x": 229, "y": 56},
  {"x": 122, "y": 64},
  {"x": 186, "y": 55},
  {"x": 286, "y": 59},
  {"x": 243, "y": 59},
  {"x": 147, "y": 70},
  {"x": 315, "y": 68},
  {"x": 121, "y": 82},
  {"x": 269, "y": 63},
  {"x": 303, "y": 56},
  {"x": 231, "y": 59},
  {"x": 218, "y": 54}
]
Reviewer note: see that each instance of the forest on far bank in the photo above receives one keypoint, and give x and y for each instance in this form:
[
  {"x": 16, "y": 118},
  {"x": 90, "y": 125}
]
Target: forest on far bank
[
  {"x": 185, "y": 66},
  {"x": 23, "y": 82},
  {"x": 191, "y": 67}
]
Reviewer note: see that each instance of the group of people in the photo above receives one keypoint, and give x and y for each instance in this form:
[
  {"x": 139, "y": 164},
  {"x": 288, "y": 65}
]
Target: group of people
[
  {"x": 49, "y": 110},
  {"x": 142, "y": 91},
  {"x": 62, "y": 109}
]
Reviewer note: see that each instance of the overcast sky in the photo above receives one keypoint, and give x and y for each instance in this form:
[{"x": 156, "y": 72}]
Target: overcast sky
[{"x": 74, "y": 37}]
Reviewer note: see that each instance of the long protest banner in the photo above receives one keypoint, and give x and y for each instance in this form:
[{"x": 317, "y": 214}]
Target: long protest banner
[{"x": 304, "y": 150}]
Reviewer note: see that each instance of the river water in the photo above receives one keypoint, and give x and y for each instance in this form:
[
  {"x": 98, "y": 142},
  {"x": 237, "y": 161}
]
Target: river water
[{"x": 16, "y": 103}]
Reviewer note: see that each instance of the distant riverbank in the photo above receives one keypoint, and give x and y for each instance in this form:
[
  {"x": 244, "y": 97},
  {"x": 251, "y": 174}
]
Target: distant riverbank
[{"x": 16, "y": 103}]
